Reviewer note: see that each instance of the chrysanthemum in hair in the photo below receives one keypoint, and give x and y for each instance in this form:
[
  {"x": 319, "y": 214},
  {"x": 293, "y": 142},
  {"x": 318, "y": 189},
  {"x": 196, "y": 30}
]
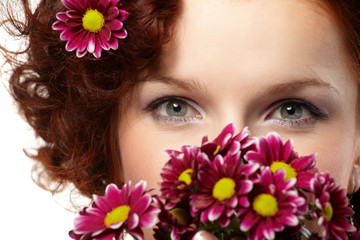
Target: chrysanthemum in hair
[{"x": 91, "y": 25}]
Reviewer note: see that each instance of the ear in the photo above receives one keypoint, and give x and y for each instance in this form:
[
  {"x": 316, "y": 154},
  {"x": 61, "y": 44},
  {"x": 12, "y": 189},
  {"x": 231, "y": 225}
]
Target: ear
[{"x": 354, "y": 181}]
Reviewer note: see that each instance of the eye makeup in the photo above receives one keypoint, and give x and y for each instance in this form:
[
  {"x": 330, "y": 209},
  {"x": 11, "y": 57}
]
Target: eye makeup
[
  {"x": 184, "y": 110},
  {"x": 307, "y": 113}
]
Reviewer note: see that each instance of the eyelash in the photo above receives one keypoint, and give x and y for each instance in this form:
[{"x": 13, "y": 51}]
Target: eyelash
[
  {"x": 315, "y": 113},
  {"x": 153, "y": 106}
]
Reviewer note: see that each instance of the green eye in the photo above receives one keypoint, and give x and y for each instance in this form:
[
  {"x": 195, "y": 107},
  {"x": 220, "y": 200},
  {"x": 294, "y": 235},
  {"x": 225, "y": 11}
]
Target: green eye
[
  {"x": 292, "y": 111},
  {"x": 176, "y": 108},
  {"x": 295, "y": 113}
]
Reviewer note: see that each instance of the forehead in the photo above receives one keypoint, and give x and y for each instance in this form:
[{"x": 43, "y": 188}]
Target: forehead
[{"x": 252, "y": 32}]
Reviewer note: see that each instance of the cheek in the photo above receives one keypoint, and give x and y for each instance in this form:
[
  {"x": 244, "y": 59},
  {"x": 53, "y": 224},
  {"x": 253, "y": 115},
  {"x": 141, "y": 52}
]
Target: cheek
[
  {"x": 142, "y": 157},
  {"x": 143, "y": 148},
  {"x": 339, "y": 164},
  {"x": 335, "y": 154}
]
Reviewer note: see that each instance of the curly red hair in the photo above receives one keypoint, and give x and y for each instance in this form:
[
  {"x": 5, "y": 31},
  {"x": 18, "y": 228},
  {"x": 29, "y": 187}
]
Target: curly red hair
[{"x": 71, "y": 103}]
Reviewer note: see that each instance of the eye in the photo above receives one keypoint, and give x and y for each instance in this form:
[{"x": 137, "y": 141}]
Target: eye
[
  {"x": 295, "y": 112},
  {"x": 174, "y": 109},
  {"x": 292, "y": 111}
]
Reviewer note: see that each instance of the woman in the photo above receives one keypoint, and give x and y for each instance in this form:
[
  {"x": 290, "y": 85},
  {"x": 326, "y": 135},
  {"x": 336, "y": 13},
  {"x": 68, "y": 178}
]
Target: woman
[{"x": 186, "y": 69}]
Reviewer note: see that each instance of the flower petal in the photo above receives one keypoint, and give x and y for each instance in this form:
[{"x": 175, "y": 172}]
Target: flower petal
[
  {"x": 112, "y": 13},
  {"x": 133, "y": 221},
  {"x": 105, "y": 34},
  {"x": 141, "y": 204},
  {"x": 60, "y": 26},
  {"x": 103, "y": 5},
  {"x": 92, "y": 43},
  {"x": 102, "y": 204},
  {"x": 249, "y": 221},
  {"x": 215, "y": 211},
  {"x": 61, "y": 16},
  {"x": 113, "y": 195},
  {"x": 114, "y": 25},
  {"x": 137, "y": 191},
  {"x": 121, "y": 34},
  {"x": 147, "y": 220},
  {"x": 124, "y": 15},
  {"x": 137, "y": 233},
  {"x": 74, "y": 5},
  {"x": 245, "y": 187}
]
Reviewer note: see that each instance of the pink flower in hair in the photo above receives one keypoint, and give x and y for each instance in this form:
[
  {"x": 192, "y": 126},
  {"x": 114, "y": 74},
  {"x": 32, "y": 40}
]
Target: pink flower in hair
[
  {"x": 91, "y": 25},
  {"x": 120, "y": 211}
]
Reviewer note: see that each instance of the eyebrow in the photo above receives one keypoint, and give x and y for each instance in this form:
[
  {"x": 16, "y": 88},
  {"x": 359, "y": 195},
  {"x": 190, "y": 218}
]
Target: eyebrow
[
  {"x": 187, "y": 84},
  {"x": 298, "y": 83}
]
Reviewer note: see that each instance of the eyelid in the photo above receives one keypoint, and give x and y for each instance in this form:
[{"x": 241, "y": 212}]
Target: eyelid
[
  {"x": 315, "y": 113},
  {"x": 156, "y": 103},
  {"x": 308, "y": 105}
]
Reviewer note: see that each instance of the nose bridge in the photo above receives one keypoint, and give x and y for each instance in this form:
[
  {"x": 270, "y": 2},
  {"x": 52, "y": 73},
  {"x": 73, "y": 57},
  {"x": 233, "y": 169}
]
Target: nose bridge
[{"x": 227, "y": 116}]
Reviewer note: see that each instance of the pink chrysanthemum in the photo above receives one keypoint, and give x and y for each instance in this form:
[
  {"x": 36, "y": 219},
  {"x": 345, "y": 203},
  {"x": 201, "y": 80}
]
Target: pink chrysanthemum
[
  {"x": 222, "y": 188},
  {"x": 226, "y": 143},
  {"x": 91, "y": 25},
  {"x": 271, "y": 151},
  {"x": 118, "y": 212},
  {"x": 177, "y": 176},
  {"x": 274, "y": 205},
  {"x": 175, "y": 223},
  {"x": 332, "y": 211}
]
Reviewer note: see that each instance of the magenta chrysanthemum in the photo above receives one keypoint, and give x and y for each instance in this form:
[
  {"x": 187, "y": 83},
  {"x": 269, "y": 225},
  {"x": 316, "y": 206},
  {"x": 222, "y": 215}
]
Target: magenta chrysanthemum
[
  {"x": 177, "y": 176},
  {"x": 91, "y": 25},
  {"x": 227, "y": 143},
  {"x": 274, "y": 205},
  {"x": 332, "y": 209},
  {"x": 272, "y": 152},
  {"x": 175, "y": 222},
  {"x": 118, "y": 212},
  {"x": 222, "y": 188}
]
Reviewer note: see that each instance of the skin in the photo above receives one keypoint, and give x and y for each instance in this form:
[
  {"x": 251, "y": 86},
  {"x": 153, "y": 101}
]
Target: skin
[{"x": 246, "y": 73}]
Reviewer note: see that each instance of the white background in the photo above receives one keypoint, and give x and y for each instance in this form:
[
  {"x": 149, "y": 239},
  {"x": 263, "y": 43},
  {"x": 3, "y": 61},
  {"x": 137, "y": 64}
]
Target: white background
[{"x": 26, "y": 211}]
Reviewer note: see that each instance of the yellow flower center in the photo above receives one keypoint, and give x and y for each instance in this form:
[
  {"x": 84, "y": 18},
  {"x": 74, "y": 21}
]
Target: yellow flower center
[
  {"x": 328, "y": 212},
  {"x": 265, "y": 205},
  {"x": 182, "y": 217},
  {"x": 185, "y": 176},
  {"x": 217, "y": 150},
  {"x": 119, "y": 214},
  {"x": 224, "y": 189},
  {"x": 289, "y": 171},
  {"x": 93, "y": 20}
]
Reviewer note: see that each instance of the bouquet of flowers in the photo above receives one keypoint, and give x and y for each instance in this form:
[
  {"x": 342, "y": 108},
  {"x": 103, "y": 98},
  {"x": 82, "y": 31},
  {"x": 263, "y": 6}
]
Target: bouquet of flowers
[{"x": 232, "y": 186}]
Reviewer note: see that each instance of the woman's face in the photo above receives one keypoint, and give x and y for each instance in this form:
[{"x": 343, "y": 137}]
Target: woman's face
[{"x": 271, "y": 65}]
